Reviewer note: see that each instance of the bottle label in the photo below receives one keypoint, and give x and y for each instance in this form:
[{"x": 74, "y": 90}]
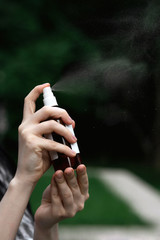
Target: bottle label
[
  {"x": 54, "y": 137},
  {"x": 74, "y": 146}
]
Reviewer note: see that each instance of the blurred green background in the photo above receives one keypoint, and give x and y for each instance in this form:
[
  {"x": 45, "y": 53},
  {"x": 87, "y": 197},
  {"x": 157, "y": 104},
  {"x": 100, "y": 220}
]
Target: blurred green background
[{"x": 103, "y": 57}]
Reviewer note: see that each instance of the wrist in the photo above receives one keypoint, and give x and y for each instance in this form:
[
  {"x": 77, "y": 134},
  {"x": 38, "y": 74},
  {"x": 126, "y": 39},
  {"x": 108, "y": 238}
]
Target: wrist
[
  {"x": 22, "y": 183},
  {"x": 12, "y": 207},
  {"x": 43, "y": 234},
  {"x": 24, "y": 179}
]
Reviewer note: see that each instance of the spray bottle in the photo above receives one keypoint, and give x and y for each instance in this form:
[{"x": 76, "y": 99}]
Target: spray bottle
[{"x": 60, "y": 161}]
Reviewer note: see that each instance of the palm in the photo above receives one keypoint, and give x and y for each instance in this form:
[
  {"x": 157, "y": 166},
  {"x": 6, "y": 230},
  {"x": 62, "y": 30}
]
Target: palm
[
  {"x": 44, "y": 214},
  {"x": 40, "y": 165}
]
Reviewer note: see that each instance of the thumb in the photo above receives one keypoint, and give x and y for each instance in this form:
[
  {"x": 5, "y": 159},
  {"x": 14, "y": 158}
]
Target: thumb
[{"x": 47, "y": 194}]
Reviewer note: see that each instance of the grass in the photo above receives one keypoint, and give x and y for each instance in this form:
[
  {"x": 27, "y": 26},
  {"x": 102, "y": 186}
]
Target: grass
[
  {"x": 149, "y": 174},
  {"x": 102, "y": 208}
]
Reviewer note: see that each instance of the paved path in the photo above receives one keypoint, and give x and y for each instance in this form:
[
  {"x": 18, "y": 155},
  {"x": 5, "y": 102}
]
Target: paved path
[
  {"x": 139, "y": 195},
  {"x": 108, "y": 233}
]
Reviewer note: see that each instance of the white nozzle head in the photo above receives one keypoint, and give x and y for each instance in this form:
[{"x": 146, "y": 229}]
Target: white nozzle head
[{"x": 49, "y": 98}]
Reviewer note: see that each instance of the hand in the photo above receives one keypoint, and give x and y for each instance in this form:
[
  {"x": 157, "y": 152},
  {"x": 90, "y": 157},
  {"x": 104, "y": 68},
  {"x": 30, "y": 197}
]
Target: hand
[
  {"x": 33, "y": 157},
  {"x": 63, "y": 198}
]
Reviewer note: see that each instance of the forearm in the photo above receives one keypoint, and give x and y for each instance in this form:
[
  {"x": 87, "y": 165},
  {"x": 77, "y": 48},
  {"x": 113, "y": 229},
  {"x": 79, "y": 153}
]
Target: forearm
[
  {"x": 12, "y": 208},
  {"x": 41, "y": 234}
]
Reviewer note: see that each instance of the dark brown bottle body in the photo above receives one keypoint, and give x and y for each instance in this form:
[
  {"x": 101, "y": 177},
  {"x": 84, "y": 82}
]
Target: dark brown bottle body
[{"x": 61, "y": 162}]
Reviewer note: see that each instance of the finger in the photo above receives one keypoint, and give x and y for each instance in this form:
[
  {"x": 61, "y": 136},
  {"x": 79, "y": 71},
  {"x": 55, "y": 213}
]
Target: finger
[
  {"x": 64, "y": 190},
  {"x": 73, "y": 124},
  {"x": 29, "y": 103},
  {"x": 53, "y": 126},
  {"x": 72, "y": 182},
  {"x": 55, "y": 198},
  {"x": 82, "y": 178},
  {"x": 48, "y": 112},
  {"x": 51, "y": 145}
]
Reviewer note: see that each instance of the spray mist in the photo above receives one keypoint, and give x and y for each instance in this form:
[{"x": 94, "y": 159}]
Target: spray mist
[{"x": 60, "y": 161}]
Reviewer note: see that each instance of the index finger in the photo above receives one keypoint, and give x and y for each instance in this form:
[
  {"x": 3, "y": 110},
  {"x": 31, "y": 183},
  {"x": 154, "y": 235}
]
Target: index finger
[{"x": 30, "y": 99}]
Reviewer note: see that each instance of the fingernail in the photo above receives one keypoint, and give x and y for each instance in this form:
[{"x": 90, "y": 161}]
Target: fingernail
[
  {"x": 46, "y": 84},
  {"x": 81, "y": 168},
  {"x": 74, "y": 138},
  {"x": 73, "y": 152},
  {"x": 70, "y": 119},
  {"x": 59, "y": 175},
  {"x": 69, "y": 171}
]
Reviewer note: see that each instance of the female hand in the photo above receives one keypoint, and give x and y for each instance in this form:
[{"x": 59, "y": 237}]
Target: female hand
[
  {"x": 62, "y": 199},
  {"x": 33, "y": 157}
]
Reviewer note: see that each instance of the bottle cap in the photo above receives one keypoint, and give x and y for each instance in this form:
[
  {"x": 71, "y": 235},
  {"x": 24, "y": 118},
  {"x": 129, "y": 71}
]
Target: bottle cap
[{"x": 48, "y": 97}]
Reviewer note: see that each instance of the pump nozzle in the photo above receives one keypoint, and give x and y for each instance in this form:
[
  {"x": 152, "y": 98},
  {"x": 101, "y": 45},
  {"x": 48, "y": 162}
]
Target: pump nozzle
[{"x": 48, "y": 97}]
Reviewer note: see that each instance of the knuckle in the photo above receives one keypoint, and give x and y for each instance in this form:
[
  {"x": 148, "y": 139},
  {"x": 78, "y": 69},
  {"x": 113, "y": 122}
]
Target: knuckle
[
  {"x": 26, "y": 134},
  {"x": 36, "y": 89},
  {"x": 85, "y": 183},
  {"x": 51, "y": 123},
  {"x": 67, "y": 195},
  {"x": 26, "y": 99},
  {"x": 20, "y": 128},
  {"x": 23, "y": 132},
  {"x": 60, "y": 214},
  {"x": 80, "y": 207},
  {"x": 71, "y": 214},
  {"x": 74, "y": 184},
  {"x": 30, "y": 140},
  {"x": 63, "y": 111},
  {"x": 61, "y": 148},
  {"x": 54, "y": 144},
  {"x": 65, "y": 149},
  {"x": 67, "y": 134},
  {"x": 87, "y": 196},
  {"x": 46, "y": 109}
]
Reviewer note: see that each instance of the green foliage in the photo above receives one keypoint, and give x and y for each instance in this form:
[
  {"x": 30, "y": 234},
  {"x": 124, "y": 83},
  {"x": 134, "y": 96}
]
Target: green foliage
[
  {"x": 37, "y": 43},
  {"x": 110, "y": 48}
]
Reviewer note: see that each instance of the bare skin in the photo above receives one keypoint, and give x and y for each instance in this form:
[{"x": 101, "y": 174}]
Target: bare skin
[{"x": 67, "y": 193}]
